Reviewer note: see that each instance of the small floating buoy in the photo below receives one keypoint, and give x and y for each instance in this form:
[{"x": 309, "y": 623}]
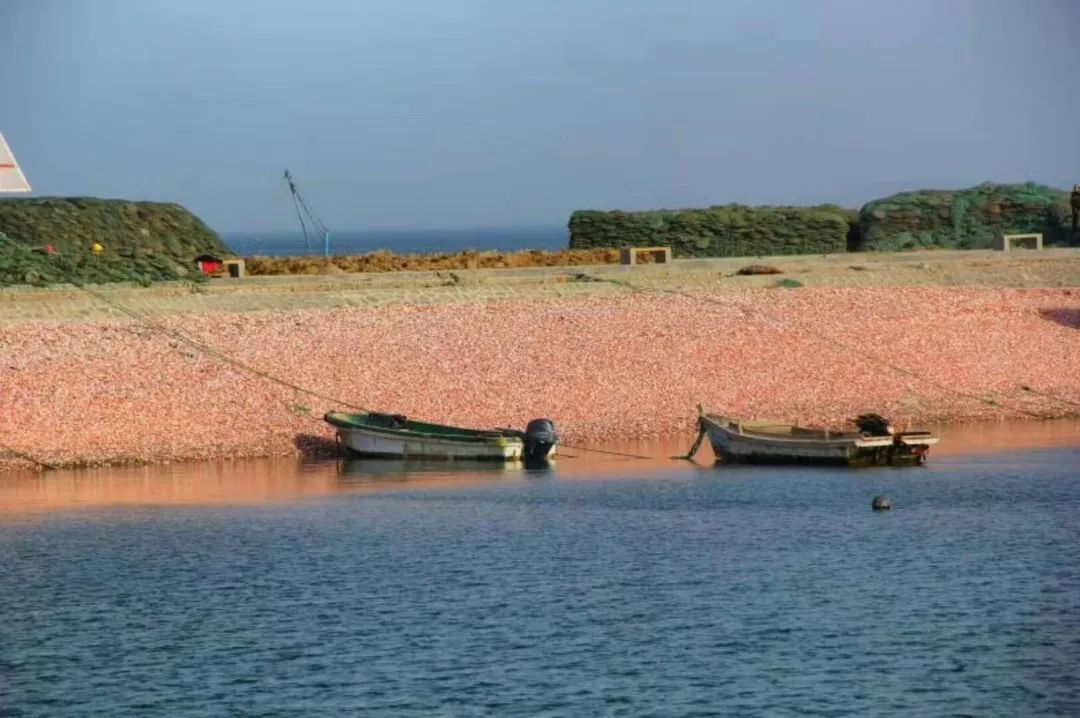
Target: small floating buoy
[{"x": 881, "y": 503}]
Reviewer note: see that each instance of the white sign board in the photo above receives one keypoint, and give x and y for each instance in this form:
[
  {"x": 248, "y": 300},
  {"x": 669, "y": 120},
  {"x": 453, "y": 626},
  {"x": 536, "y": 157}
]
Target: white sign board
[{"x": 11, "y": 177}]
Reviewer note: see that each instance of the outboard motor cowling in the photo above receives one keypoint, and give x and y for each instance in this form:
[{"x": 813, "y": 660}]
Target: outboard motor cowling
[
  {"x": 540, "y": 436},
  {"x": 874, "y": 425}
]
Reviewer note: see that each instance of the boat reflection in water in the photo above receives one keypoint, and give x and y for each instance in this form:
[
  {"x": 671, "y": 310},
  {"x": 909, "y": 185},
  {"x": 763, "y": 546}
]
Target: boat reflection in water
[
  {"x": 279, "y": 481},
  {"x": 366, "y": 472}
]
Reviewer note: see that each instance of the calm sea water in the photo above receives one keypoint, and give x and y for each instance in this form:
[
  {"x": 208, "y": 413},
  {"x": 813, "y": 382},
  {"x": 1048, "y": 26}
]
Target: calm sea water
[
  {"x": 636, "y": 589},
  {"x": 278, "y": 244}
]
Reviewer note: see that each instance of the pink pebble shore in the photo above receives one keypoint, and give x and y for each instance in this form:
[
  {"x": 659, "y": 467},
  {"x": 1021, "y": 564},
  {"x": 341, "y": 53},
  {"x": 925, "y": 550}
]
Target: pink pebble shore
[{"x": 602, "y": 367}]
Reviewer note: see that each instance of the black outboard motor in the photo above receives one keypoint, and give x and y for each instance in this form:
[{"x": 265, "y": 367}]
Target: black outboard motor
[
  {"x": 874, "y": 425},
  {"x": 540, "y": 436}
]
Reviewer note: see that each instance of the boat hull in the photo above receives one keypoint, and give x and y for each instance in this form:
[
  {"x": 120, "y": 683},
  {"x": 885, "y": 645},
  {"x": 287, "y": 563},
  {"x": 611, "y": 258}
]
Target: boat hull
[
  {"x": 732, "y": 444},
  {"x": 395, "y": 436},
  {"x": 367, "y": 442}
]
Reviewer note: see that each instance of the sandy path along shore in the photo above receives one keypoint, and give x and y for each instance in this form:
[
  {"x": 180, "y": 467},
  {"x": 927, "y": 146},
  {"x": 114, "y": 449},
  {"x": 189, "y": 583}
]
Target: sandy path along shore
[{"x": 1052, "y": 268}]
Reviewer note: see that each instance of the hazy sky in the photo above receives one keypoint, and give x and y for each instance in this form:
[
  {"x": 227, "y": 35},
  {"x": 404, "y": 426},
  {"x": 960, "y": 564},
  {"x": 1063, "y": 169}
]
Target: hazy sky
[{"x": 459, "y": 113}]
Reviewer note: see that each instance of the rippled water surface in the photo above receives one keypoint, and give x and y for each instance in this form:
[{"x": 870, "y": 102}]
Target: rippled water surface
[{"x": 274, "y": 588}]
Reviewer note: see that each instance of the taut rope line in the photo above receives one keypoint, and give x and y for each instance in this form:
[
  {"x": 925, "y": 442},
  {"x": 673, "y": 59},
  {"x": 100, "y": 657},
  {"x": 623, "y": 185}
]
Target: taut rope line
[{"x": 822, "y": 337}]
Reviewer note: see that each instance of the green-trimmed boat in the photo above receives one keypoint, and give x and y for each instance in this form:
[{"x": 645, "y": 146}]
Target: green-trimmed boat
[
  {"x": 394, "y": 435},
  {"x": 765, "y": 442}
]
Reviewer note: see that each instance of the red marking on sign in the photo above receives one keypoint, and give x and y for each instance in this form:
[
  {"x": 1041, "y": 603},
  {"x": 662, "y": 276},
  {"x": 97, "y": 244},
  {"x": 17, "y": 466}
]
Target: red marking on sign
[{"x": 4, "y": 166}]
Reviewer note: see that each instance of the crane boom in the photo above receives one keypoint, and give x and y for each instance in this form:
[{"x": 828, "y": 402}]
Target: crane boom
[{"x": 307, "y": 217}]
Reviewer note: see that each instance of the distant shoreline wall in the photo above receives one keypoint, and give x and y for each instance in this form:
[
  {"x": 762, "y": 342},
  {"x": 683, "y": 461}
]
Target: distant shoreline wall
[
  {"x": 955, "y": 219},
  {"x": 723, "y": 231}
]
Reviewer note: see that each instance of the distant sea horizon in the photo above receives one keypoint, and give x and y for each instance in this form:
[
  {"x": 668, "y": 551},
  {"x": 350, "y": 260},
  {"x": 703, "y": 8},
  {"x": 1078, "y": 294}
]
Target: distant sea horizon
[{"x": 399, "y": 241}]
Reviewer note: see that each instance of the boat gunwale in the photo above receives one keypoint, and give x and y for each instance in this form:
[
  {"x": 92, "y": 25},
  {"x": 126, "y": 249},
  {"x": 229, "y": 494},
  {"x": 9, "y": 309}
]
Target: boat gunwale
[
  {"x": 458, "y": 435},
  {"x": 849, "y": 439}
]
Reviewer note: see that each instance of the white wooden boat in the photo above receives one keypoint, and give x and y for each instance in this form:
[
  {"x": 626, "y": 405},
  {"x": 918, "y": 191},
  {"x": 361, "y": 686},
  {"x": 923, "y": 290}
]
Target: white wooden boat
[
  {"x": 393, "y": 435},
  {"x": 874, "y": 444}
]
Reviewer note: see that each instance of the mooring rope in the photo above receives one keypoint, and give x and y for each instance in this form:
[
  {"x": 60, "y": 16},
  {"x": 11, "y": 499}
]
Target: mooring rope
[
  {"x": 605, "y": 451},
  {"x": 822, "y": 337},
  {"x": 1049, "y": 395},
  {"x": 689, "y": 455},
  {"x": 242, "y": 366},
  {"x": 26, "y": 457},
  {"x": 212, "y": 352},
  {"x": 183, "y": 339},
  {"x": 193, "y": 343}
]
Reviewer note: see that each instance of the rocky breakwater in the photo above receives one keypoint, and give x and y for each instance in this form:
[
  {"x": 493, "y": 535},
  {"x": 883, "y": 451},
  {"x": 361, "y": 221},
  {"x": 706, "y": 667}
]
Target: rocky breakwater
[
  {"x": 612, "y": 366},
  {"x": 954, "y": 219},
  {"x": 54, "y": 239},
  {"x": 964, "y": 219},
  {"x": 731, "y": 230}
]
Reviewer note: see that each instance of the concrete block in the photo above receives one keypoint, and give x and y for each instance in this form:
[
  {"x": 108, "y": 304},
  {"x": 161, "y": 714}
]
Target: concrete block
[
  {"x": 660, "y": 255},
  {"x": 1005, "y": 242},
  {"x": 234, "y": 268}
]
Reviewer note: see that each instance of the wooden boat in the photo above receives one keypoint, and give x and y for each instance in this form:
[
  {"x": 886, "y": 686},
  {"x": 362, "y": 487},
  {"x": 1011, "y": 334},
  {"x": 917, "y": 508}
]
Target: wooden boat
[
  {"x": 394, "y": 435},
  {"x": 874, "y": 444}
]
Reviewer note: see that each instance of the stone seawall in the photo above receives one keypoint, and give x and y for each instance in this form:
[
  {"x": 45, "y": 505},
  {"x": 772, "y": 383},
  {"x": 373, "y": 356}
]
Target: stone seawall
[{"x": 81, "y": 384}]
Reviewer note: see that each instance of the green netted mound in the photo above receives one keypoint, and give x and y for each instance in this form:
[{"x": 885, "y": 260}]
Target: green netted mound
[
  {"x": 143, "y": 241},
  {"x": 964, "y": 219},
  {"x": 731, "y": 230}
]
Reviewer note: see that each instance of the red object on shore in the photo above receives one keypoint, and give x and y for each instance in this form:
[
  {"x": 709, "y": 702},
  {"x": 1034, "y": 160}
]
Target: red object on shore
[{"x": 209, "y": 264}]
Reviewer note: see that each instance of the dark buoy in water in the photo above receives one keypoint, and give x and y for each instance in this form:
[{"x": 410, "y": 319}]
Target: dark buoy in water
[{"x": 881, "y": 503}]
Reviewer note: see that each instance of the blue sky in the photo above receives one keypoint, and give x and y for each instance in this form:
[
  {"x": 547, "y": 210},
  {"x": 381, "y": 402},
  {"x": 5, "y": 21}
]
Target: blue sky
[{"x": 495, "y": 112}]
